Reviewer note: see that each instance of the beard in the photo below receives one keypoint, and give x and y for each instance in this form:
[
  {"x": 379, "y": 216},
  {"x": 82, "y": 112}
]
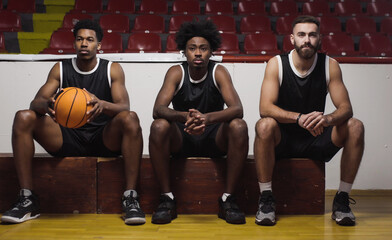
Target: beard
[{"x": 306, "y": 53}]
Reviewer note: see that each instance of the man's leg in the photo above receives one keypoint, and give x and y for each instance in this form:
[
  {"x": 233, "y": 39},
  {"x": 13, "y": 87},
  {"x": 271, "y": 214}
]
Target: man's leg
[
  {"x": 268, "y": 136},
  {"x": 27, "y": 127},
  {"x": 124, "y": 131},
  {"x": 349, "y": 135},
  {"x": 164, "y": 138},
  {"x": 233, "y": 139}
]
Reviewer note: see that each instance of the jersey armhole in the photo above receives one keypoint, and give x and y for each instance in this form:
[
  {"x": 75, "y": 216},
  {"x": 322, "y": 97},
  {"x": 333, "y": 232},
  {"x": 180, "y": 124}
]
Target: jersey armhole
[
  {"x": 182, "y": 80},
  {"x": 109, "y": 76},
  {"x": 327, "y": 79},
  {"x": 213, "y": 78},
  {"x": 61, "y": 75},
  {"x": 280, "y": 69}
]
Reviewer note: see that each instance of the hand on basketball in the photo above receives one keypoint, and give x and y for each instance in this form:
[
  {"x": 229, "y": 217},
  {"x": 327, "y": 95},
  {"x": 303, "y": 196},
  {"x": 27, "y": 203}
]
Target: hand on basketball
[
  {"x": 314, "y": 122},
  {"x": 97, "y": 107},
  {"x": 195, "y": 124},
  {"x": 50, "y": 105}
]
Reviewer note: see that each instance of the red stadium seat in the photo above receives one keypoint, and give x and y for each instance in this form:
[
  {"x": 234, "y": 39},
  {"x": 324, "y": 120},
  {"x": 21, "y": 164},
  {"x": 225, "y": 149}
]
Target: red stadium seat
[
  {"x": 61, "y": 42},
  {"x": 251, "y": 7},
  {"x": 10, "y": 22},
  {"x": 375, "y": 45},
  {"x": 144, "y": 43},
  {"x": 186, "y": 7},
  {"x": 114, "y": 23},
  {"x": 111, "y": 43},
  {"x": 21, "y": 6},
  {"x": 283, "y": 8},
  {"x": 381, "y": 8},
  {"x": 287, "y": 46},
  {"x": 153, "y": 7},
  {"x": 386, "y": 26},
  {"x": 87, "y": 6},
  {"x": 2, "y": 44},
  {"x": 261, "y": 44},
  {"x": 348, "y": 8},
  {"x": 120, "y": 6},
  {"x": 224, "y": 23},
  {"x": 70, "y": 19},
  {"x": 255, "y": 24},
  {"x": 283, "y": 24},
  {"x": 176, "y": 21},
  {"x": 360, "y": 25},
  {"x": 219, "y": 7},
  {"x": 171, "y": 45},
  {"x": 319, "y": 8},
  {"x": 149, "y": 24},
  {"x": 230, "y": 44},
  {"x": 339, "y": 45},
  {"x": 330, "y": 25}
]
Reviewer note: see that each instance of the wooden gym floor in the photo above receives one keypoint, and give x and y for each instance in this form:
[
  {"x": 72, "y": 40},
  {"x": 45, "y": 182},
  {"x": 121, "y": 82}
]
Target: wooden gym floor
[{"x": 373, "y": 211}]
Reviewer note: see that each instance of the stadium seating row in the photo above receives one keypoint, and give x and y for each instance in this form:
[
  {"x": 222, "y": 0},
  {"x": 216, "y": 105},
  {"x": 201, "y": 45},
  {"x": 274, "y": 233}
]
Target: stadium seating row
[
  {"x": 242, "y": 7},
  {"x": 361, "y": 25},
  {"x": 341, "y": 44}
]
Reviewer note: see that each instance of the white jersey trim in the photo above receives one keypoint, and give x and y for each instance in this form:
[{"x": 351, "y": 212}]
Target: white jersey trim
[
  {"x": 295, "y": 69},
  {"x": 213, "y": 77},
  {"x": 80, "y": 71},
  {"x": 280, "y": 69},
  {"x": 182, "y": 80},
  {"x": 61, "y": 74},
  {"x": 109, "y": 76},
  {"x": 327, "y": 78}
]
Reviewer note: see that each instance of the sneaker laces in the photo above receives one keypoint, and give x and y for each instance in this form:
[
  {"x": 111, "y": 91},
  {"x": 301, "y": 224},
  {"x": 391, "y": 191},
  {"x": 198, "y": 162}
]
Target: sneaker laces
[
  {"x": 165, "y": 202},
  {"x": 266, "y": 203},
  {"x": 231, "y": 202},
  {"x": 23, "y": 202},
  {"x": 344, "y": 203},
  {"x": 131, "y": 202}
]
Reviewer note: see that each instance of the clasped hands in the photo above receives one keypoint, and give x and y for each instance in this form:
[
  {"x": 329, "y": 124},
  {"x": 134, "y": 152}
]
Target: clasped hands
[{"x": 195, "y": 123}]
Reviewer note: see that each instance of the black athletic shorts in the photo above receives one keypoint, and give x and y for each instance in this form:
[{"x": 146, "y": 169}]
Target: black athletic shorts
[
  {"x": 76, "y": 144},
  {"x": 303, "y": 145},
  {"x": 199, "y": 146}
]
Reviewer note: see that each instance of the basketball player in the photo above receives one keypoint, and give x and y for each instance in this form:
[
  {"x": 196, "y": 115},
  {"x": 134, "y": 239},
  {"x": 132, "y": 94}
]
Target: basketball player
[
  {"x": 198, "y": 125},
  {"x": 293, "y": 122},
  {"x": 111, "y": 130}
]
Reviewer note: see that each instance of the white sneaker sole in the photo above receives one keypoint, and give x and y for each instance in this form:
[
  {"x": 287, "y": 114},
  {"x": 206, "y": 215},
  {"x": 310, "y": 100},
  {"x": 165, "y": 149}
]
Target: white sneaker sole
[
  {"x": 135, "y": 221},
  {"x": 26, "y": 217}
]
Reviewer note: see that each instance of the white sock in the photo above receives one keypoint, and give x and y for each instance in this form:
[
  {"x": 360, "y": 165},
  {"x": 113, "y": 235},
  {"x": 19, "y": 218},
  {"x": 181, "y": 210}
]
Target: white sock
[
  {"x": 130, "y": 192},
  {"x": 265, "y": 186},
  {"x": 225, "y": 196},
  {"x": 25, "y": 192},
  {"x": 345, "y": 187},
  {"x": 169, "y": 194}
]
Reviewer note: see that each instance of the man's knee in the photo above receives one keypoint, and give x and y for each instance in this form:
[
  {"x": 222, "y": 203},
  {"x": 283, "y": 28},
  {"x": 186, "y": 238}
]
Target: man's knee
[
  {"x": 356, "y": 128},
  {"x": 159, "y": 128},
  {"x": 24, "y": 118},
  {"x": 129, "y": 120},
  {"x": 238, "y": 127},
  {"x": 266, "y": 127}
]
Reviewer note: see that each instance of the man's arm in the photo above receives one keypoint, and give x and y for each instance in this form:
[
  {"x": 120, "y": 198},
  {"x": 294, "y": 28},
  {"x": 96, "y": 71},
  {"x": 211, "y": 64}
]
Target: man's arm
[
  {"x": 44, "y": 99},
  {"x": 165, "y": 96},
  {"x": 119, "y": 95},
  {"x": 234, "y": 106},
  {"x": 270, "y": 93}
]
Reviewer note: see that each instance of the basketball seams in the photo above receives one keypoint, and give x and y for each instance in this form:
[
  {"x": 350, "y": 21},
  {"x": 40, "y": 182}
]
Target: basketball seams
[
  {"x": 70, "y": 109},
  {"x": 85, "y": 110}
]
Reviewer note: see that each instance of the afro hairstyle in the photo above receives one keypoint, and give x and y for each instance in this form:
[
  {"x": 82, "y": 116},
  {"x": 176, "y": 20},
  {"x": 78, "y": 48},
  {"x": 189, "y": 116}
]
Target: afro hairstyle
[{"x": 89, "y": 24}]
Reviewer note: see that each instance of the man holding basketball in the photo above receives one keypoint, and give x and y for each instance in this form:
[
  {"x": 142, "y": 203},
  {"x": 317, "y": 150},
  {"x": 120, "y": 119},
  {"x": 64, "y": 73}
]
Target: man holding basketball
[
  {"x": 111, "y": 129},
  {"x": 293, "y": 123},
  {"x": 198, "y": 125}
]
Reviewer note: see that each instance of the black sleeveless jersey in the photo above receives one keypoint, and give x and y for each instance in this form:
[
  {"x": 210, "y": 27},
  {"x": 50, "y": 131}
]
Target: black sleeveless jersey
[
  {"x": 96, "y": 81},
  {"x": 202, "y": 95},
  {"x": 303, "y": 94}
]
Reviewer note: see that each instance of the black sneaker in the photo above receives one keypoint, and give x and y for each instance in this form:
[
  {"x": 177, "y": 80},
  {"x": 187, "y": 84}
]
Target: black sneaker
[
  {"x": 133, "y": 213},
  {"x": 166, "y": 210},
  {"x": 341, "y": 211},
  {"x": 26, "y": 208},
  {"x": 266, "y": 213},
  {"x": 230, "y": 211}
]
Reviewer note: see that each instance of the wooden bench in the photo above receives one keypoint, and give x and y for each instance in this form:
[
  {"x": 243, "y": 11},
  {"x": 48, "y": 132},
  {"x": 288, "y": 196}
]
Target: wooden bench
[{"x": 95, "y": 185}]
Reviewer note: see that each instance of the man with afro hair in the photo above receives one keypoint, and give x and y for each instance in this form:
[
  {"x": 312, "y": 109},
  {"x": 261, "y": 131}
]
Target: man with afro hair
[{"x": 198, "y": 125}]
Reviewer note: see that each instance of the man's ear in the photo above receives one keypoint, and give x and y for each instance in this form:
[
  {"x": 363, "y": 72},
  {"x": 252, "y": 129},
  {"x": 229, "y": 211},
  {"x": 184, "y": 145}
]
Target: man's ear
[{"x": 99, "y": 46}]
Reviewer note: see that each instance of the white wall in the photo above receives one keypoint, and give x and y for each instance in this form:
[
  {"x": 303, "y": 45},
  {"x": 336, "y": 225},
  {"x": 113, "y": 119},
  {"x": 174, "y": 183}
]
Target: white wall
[{"x": 369, "y": 87}]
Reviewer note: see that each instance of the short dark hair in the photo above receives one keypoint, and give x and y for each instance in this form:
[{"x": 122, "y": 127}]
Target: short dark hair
[
  {"x": 306, "y": 19},
  {"x": 204, "y": 29},
  {"x": 89, "y": 24}
]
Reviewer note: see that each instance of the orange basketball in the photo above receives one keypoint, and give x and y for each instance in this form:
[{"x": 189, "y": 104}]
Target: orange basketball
[{"x": 71, "y": 106}]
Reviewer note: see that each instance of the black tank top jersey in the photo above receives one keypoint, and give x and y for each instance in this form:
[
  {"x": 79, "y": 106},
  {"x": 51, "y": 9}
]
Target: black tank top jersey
[
  {"x": 202, "y": 95},
  {"x": 96, "y": 81},
  {"x": 303, "y": 94}
]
